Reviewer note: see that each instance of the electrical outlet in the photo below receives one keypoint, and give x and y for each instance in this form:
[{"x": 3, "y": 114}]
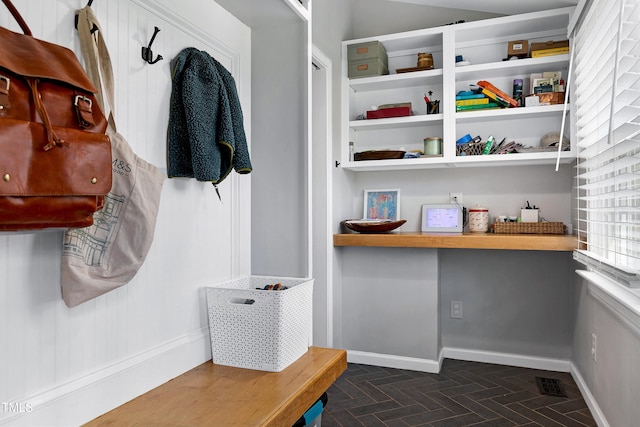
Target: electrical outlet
[
  {"x": 456, "y": 309},
  {"x": 594, "y": 347},
  {"x": 455, "y": 198}
]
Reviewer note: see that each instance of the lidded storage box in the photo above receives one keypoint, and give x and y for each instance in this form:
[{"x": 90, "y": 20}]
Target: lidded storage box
[
  {"x": 266, "y": 330},
  {"x": 367, "y": 60}
]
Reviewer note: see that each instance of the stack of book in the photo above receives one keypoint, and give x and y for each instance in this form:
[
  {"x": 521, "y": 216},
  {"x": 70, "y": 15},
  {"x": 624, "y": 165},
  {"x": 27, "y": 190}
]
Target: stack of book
[
  {"x": 487, "y": 96},
  {"x": 474, "y": 101}
]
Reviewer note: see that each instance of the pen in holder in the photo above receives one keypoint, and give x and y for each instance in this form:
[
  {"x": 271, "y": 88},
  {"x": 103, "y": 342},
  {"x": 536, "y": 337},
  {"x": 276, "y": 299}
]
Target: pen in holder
[{"x": 433, "y": 107}]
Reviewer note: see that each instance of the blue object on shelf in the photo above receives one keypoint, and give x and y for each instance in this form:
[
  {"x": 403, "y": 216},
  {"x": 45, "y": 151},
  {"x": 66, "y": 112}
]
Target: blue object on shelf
[{"x": 464, "y": 139}]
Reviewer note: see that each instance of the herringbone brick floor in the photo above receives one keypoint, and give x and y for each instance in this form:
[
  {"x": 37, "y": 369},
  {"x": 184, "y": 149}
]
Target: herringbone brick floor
[{"x": 462, "y": 394}]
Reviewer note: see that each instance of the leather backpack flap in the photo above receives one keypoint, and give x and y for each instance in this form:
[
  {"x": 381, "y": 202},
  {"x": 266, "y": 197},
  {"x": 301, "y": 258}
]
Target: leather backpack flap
[
  {"x": 83, "y": 167},
  {"x": 64, "y": 87},
  {"x": 60, "y": 187}
]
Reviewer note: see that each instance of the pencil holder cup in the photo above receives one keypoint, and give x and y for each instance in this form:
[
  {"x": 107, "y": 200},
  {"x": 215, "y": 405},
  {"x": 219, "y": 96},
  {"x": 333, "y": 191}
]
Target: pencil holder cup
[{"x": 433, "y": 107}]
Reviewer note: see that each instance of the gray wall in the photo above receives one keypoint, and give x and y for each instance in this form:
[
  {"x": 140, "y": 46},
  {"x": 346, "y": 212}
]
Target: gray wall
[
  {"x": 614, "y": 378},
  {"x": 390, "y": 301},
  {"x": 516, "y": 302},
  {"x": 278, "y": 149}
]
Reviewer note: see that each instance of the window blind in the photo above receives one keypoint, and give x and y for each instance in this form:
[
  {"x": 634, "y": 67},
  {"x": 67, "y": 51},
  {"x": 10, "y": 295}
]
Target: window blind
[{"x": 606, "y": 98}]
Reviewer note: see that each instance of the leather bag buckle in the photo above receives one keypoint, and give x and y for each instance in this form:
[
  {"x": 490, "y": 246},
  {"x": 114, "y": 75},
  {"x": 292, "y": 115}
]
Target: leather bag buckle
[
  {"x": 84, "y": 111},
  {"x": 6, "y": 79},
  {"x": 82, "y": 98},
  {"x": 4, "y": 93}
]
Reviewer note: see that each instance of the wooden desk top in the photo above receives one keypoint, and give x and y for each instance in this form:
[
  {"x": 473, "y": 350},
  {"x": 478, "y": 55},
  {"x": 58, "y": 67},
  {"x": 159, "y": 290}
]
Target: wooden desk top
[
  {"x": 215, "y": 395},
  {"x": 531, "y": 242}
]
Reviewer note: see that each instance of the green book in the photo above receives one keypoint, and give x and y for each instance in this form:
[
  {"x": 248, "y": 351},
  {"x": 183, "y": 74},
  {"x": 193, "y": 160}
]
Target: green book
[{"x": 490, "y": 105}]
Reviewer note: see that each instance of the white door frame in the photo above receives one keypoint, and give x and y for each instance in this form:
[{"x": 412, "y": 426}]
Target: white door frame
[{"x": 321, "y": 164}]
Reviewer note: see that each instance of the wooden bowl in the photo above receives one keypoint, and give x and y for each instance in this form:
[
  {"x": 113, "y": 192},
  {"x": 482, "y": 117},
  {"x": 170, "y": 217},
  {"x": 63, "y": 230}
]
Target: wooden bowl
[
  {"x": 373, "y": 227},
  {"x": 378, "y": 155}
]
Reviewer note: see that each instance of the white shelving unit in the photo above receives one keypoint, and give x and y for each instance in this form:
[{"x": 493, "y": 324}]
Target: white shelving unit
[{"x": 483, "y": 43}]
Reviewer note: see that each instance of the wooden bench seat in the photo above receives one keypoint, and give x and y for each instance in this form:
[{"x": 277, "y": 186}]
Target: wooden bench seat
[{"x": 215, "y": 395}]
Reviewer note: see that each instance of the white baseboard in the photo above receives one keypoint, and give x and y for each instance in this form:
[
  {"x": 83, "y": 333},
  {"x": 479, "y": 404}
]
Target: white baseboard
[
  {"x": 523, "y": 361},
  {"x": 591, "y": 402},
  {"x": 392, "y": 361},
  {"x": 89, "y": 396},
  {"x": 433, "y": 366}
]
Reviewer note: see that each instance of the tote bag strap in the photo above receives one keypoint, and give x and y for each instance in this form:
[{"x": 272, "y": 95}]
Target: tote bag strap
[
  {"x": 97, "y": 60},
  {"x": 17, "y": 17}
]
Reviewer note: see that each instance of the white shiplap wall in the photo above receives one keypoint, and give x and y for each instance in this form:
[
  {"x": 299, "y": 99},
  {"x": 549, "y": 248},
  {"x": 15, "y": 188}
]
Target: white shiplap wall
[{"x": 156, "y": 326}]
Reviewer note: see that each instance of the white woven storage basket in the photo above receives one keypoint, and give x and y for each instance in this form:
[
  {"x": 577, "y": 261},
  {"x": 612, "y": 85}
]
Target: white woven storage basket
[{"x": 258, "y": 329}]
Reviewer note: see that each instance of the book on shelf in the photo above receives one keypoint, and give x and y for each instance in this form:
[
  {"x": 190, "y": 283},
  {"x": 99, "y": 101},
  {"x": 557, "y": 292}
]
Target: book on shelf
[
  {"x": 550, "y": 52},
  {"x": 469, "y": 96},
  {"x": 488, "y": 106},
  {"x": 477, "y": 101},
  {"x": 491, "y": 89},
  {"x": 496, "y": 98}
]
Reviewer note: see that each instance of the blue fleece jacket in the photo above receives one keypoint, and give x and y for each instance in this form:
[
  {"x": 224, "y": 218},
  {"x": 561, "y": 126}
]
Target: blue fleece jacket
[{"x": 206, "y": 137}]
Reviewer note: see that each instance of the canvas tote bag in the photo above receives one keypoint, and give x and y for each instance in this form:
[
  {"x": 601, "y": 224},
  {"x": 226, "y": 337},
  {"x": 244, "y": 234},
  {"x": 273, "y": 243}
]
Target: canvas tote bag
[{"x": 108, "y": 254}]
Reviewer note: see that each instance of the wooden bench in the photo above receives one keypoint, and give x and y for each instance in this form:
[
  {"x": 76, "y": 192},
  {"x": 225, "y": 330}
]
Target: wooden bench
[{"x": 215, "y": 395}]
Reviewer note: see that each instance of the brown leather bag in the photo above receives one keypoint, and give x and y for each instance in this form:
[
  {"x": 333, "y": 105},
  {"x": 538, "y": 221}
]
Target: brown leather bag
[{"x": 55, "y": 159}]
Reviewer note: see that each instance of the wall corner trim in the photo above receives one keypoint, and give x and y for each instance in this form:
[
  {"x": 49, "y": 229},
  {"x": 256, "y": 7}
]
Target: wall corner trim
[{"x": 590, "y": 400}]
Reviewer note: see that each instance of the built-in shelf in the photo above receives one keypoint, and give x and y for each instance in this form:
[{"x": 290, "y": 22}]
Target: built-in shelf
[
  {"x": 395, "y": 122},
  {"x": 483, "y": 44},
  {"x": 525, "y": 242},
  {"x": 543, "y": 111},
  {"x": 509, "y": 68},
  {"x": 395, "y": 81},
  {"x": 519, "y": 159}
]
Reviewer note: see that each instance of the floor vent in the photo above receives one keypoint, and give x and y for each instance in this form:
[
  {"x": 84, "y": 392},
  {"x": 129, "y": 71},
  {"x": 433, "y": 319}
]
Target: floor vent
[{"x": 550, "y": 386}]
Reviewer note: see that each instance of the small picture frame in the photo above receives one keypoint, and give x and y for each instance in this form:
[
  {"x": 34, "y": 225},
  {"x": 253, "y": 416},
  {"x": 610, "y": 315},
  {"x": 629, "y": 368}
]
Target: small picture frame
[{"x": 382, "y": 204}]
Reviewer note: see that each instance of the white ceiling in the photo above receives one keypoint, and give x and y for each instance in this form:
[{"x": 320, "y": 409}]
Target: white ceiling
[{"x": 503, "y": 7}]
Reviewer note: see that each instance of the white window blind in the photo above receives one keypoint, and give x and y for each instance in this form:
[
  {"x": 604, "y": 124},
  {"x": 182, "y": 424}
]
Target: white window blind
[{"x": 606, "y": 96}]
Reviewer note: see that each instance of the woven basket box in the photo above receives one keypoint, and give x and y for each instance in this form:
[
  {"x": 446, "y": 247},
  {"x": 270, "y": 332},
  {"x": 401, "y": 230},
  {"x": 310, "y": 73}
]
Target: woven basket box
[
  {"x": 529, "y": 228},
  {"x": 259, "y": 329},
  {"x": 470, "y": 149}
]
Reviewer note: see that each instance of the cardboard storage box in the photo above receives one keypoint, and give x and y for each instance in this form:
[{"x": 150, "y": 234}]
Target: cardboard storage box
[
  {"x": 367, "y": 68},
  {"x": 367, "y": 59},
  {"x": 549, "y": 48},
  {"x": 368, "y": 50},
  {"x": 253, "y": 328},
  {"x": 519, "y": 48}
]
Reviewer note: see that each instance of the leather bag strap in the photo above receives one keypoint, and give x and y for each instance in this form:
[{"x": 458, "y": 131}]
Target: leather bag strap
[
  {"x": 17, "y": 17},
  {"x": 54, "y": 140},
  {"x": 97, "y": 61}
]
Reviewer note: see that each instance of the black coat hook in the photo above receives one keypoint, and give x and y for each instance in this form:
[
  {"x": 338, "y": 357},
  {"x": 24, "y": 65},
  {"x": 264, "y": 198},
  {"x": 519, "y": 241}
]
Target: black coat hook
[
  {"x": 95, "y": 27},
  {"x": 147, "y": 53}
]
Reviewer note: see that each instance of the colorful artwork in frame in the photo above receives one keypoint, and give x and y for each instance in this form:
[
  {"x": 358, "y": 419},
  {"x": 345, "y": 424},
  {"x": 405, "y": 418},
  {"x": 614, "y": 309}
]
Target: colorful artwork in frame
[{"x": 382, "y": 204}]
